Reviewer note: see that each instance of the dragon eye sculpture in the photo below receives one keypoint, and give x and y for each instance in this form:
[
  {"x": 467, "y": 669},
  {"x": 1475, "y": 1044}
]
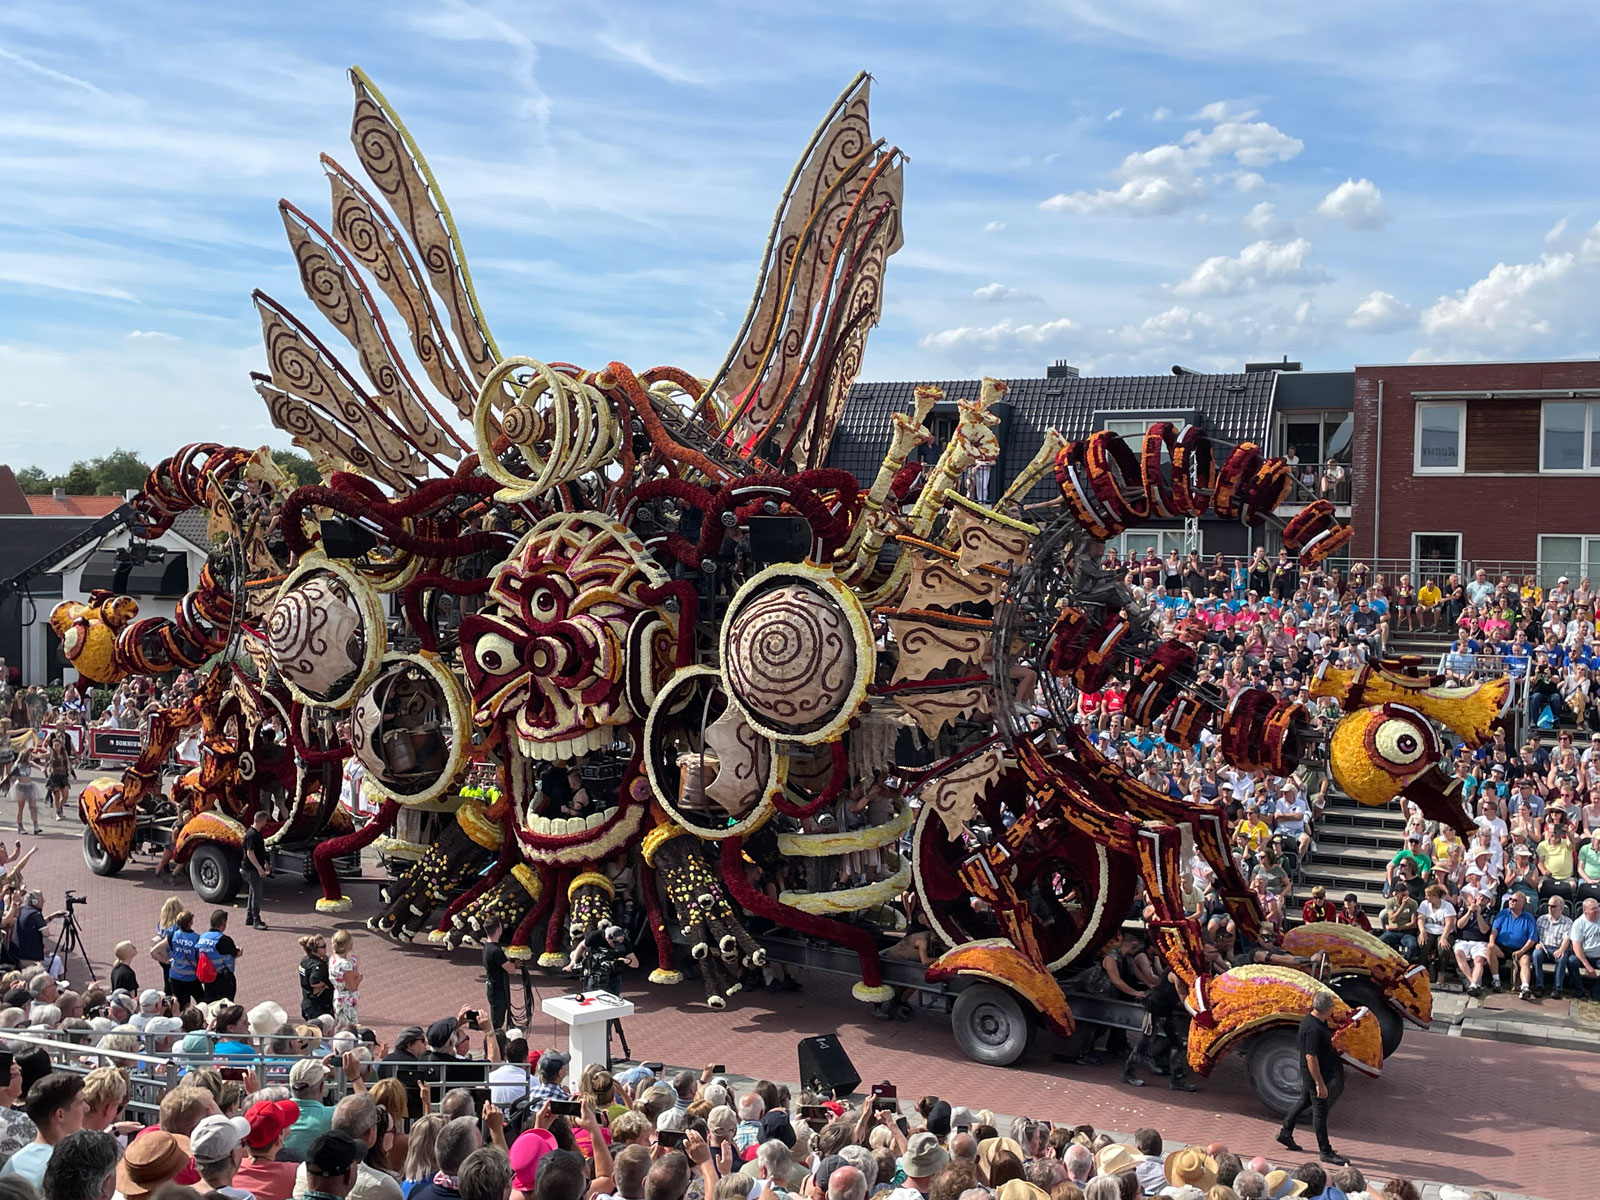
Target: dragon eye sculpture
[{"x": 603, "y": 640}]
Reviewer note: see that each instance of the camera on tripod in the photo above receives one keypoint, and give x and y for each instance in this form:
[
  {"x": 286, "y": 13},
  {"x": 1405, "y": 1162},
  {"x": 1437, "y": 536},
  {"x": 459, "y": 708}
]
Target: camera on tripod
[{"x": 73, "y": 899}]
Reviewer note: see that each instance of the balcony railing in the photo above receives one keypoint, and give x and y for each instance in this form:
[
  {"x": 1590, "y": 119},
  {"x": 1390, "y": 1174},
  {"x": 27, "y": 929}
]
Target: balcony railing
[{"x": 1319, "y": 481}]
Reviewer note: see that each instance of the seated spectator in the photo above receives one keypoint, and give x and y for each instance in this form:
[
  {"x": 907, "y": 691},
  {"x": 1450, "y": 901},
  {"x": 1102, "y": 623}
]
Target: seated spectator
[
  {"x": 357, "y": 1116},
  {"x": 1351, "y": 913},
  {"x": 1515, "y": 935},
  {"x": 1554, "y": 948},
  {"x": 1436, "y": 918},
  {"x": 1400, "y": 925},
  {"x": 1472, "y": 941},
  {"x": 332, "y": 1162},
  {"x": 307, "y": 1078}
]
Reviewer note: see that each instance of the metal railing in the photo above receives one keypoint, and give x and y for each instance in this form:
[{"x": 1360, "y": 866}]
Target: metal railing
[{"x": 1319, "y": 481}]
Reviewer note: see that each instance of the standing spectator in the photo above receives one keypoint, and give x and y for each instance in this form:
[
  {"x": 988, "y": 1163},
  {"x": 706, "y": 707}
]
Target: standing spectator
[
  {"x": 25, "y": 790},
  {"x": 161, "y": 947},
  {"x": 182, "y": 970},
  {"x": 1555, "y": 946},
  {"x": 262, "y": 1174},
  {"x": 218, "y": 1146},
  {"x": 344, "y": 969},
  {"x": 1516, "y": 933},
  {"x": 123, "y": 978},
  {"x": 86, "y": 1168},
  {"x": 56, "y": 1106},
  {"x": 255, "y": 867},
  {"x": 224, "y": 954},
  {"x": 27, "y": 934},
  {"x": 316, "y": 990}
]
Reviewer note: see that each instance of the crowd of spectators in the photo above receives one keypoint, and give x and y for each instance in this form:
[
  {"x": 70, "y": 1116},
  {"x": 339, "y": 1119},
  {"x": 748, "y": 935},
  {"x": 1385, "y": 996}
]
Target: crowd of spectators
[{"x": 257, "y": 1107}]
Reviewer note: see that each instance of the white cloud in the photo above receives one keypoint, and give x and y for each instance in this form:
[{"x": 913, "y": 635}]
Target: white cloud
[
  {"x": 1114, "y": 114},
  {"x": 1380, "y": 312},
  {"x": 1260, "y": 264},
  {"x": 1222, "y": 110},
  {"x": 1161, "y": 114},
  {"x": 1509, "y": 305},
  {"x": 1355, "y": 204},
  {"x": 1248, "y": 181},
  {"x": 1165, "y": 179},
  {"x": 1556, "y": 232},
  {"x": 1263, "y": 220},
  {"x": 994, "y": 226},
  {"x": 153, "y": 335},
  {"x": 999, "y": 293},
  {"x": 1006, "y": 334}
]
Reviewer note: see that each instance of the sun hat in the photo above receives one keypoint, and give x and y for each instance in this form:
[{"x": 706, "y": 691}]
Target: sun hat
[
  {"x": 1021, "y": 1189},
  {"x": 1281, "y": 1186},
  {"x": 924, "y": 1156},
  {"x": 152, "y": 1159},
  {"x": 1116, "y": 1157},
  {"x": 266, "y": 1018},
  {"x": 991, "y": 1148},
  {"x": 1191, "y": 1166},
  {"x": 526, "y": 1152}
]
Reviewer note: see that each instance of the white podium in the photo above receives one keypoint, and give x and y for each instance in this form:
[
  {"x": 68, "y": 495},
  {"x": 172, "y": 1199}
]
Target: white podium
[{"x": 586, "y": 1014}]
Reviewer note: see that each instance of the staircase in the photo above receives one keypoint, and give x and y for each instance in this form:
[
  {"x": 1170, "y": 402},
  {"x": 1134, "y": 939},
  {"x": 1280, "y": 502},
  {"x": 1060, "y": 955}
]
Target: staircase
[
  {"x": 1354, "y": 845},
  {"x": 1426, "y": 644}
]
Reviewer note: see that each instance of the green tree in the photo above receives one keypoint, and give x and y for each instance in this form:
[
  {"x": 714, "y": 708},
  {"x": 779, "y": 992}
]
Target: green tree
[
  {"x": 81, "y": 480},
  {"x": 297, "y": 466},
  {"x": 35, "y": 482},
  {"x": 118, "y": 472}
]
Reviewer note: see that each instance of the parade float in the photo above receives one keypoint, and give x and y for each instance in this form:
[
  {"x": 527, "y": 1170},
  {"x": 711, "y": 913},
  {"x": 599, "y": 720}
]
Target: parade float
[{"x": 603, "y": 639}]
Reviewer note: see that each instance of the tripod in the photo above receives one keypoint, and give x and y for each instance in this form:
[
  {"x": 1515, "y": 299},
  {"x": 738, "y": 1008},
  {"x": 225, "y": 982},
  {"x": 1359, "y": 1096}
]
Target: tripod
[
  {"x": 70, "y": 939},
  {"x": 606, "y": 976}
]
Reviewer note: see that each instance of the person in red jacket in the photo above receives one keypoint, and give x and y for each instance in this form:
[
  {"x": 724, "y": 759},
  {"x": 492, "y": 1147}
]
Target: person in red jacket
[
  {"x": 1317, "y": 908},
  {"x": 1351, "y": 914}
]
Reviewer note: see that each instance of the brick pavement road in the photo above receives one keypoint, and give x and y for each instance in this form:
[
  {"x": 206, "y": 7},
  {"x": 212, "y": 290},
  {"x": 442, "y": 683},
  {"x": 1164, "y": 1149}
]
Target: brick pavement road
[{"x": 1475, "y": 1113}]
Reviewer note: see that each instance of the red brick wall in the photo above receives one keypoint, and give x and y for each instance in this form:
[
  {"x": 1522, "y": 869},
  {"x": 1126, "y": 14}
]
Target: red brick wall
[{"x": 1498, "y": 516}]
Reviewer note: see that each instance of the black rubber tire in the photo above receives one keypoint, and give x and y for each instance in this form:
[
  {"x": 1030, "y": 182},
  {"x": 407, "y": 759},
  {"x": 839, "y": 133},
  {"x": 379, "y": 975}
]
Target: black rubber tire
[
  {"x": 991, "y": 1025},
  {"x": 1274, "y": 1066},
  {"x": 1360, "y": 992},
  {"x": 214, "y": 873},
  {"x": 95, "y": 856}
]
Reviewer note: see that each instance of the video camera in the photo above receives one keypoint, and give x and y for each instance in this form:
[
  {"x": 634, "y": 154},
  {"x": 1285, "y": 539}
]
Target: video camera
[{"x": 73, "y": 899}]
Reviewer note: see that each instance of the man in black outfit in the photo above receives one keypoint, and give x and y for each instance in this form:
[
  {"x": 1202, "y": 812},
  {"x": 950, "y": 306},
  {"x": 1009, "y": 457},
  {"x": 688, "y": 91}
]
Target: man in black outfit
[
  {"x": 402, "y": 1063},
  {"x": 498, "y": 970},
  {"x": 253, "y": 867},
  {"x": 601, "y": 956},
  {"x": 1321, "y": 1078}
]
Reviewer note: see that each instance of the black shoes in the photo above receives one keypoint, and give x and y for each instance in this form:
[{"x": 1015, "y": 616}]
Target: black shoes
[
  {"x": 1286, "y": 1140},
  {"x": 1132, "y": 1080},
  {"x": 1180, "y": 1083},
  {"x": 1337, "y": 1160}
]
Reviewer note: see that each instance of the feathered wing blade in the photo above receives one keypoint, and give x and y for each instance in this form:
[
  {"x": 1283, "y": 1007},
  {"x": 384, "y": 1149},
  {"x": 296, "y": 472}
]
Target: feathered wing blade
[
  {"x": 400, "y": 173},
  {"x": 334, "y": 285},
  {"x": 331, "y": 448},
  {"x": 800, "y": 228},
  {"x": 366, "y": 231},
  {"x": 301, "y": 367},
  {"x": 812, "y": 407}
]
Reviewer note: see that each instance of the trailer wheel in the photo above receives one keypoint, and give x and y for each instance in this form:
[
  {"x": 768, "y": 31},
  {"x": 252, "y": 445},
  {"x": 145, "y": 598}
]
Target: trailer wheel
[
  {"x": 98, "y": 859},
  {"x": 214, "y": 873},
  {"x": 991, "y": 1026},
  {"x": 1274, "y": 1065},
  {"x": 1359, "y": 992}
]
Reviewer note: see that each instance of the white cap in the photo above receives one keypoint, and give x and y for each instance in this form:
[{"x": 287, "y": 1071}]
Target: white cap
[{"x": 216, "y": 1137}]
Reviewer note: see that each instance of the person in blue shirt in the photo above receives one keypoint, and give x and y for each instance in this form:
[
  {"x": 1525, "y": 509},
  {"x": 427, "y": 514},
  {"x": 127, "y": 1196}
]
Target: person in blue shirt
[
  {"x": 185, "y": 949},
  {"x": 1514, "y": 937}
]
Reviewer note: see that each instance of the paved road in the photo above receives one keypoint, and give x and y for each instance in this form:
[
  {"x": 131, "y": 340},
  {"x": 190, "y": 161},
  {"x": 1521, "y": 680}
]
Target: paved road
[{"x": 1507, "y": 1117}]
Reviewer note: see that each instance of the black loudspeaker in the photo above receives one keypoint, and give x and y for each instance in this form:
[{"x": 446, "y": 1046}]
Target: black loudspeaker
[
  {"x": 826, "y": 1068},
  {"x": 782, "y": 538}
]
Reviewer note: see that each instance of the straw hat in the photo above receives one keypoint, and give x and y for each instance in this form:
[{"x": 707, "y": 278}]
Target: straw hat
[
  {"x": 1116, "y": 1157},
  {"x": 1191, "y": 1166},
  {"x": 1281, "y": 1187}
]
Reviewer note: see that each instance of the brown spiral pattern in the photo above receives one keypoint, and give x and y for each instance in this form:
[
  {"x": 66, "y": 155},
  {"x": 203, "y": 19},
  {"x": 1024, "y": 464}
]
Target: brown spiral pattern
[
  {"x": 296, "y": 629},
  {"x": 791, "y": 658}
]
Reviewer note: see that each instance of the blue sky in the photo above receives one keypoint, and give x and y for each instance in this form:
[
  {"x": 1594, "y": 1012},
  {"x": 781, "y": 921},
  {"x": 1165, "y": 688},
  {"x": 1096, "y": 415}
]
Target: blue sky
[{"x": 1125, "y": 184}]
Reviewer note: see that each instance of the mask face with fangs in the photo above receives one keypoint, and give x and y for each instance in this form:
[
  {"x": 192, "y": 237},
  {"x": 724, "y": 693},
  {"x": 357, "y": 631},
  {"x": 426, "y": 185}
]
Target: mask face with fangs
[{"x": 554, "y": 662}]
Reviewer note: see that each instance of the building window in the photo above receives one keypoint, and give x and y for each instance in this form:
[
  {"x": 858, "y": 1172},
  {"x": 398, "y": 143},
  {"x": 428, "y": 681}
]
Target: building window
[
  {"x": 1130, "y": 431},
  {"x": 1576, "y": 556},
  {"x": 1568, "y": 434},
  {"x": 1134, "y": 544},
  {"x": 1440, "y": 435}
]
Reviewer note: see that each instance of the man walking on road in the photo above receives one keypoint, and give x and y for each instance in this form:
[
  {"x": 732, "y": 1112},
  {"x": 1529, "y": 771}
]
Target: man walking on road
[
  {"x": 1321, "y": 1078},
  {"x": 254, "y": 868}
]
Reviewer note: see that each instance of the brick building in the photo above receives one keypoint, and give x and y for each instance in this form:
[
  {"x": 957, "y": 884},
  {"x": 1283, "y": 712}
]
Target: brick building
[{"x": 1457, "y": 465}]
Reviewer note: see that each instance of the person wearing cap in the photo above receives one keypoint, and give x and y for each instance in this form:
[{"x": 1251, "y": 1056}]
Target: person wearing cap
[
  {"x": 357, "y": 1115},
  {"x": 261, "y": 1173},
  {"x": 552, "y": 1074},
  {"x": 151, "y": 1162},
  {"x": 1350, "y": 912},
  {"x": 1291, "y": 816},
  {"x": 160, "y": 1033},
  {"x": 306, "y": 1081},
  {"x": 218, "y": 1147},
  {"x": 450, "y": 1038},
  {"x": 151, "y": 1003},
  {"x": 400, "y": 1063},
  {"x": 56, "y": 1106},
  {"x": 332, "y": 1165},
  {"x": 923, "y": 1158}
]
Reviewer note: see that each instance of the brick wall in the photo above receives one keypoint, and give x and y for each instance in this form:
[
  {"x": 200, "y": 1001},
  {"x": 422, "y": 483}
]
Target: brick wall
[{"x": 1499, "y": 516}]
